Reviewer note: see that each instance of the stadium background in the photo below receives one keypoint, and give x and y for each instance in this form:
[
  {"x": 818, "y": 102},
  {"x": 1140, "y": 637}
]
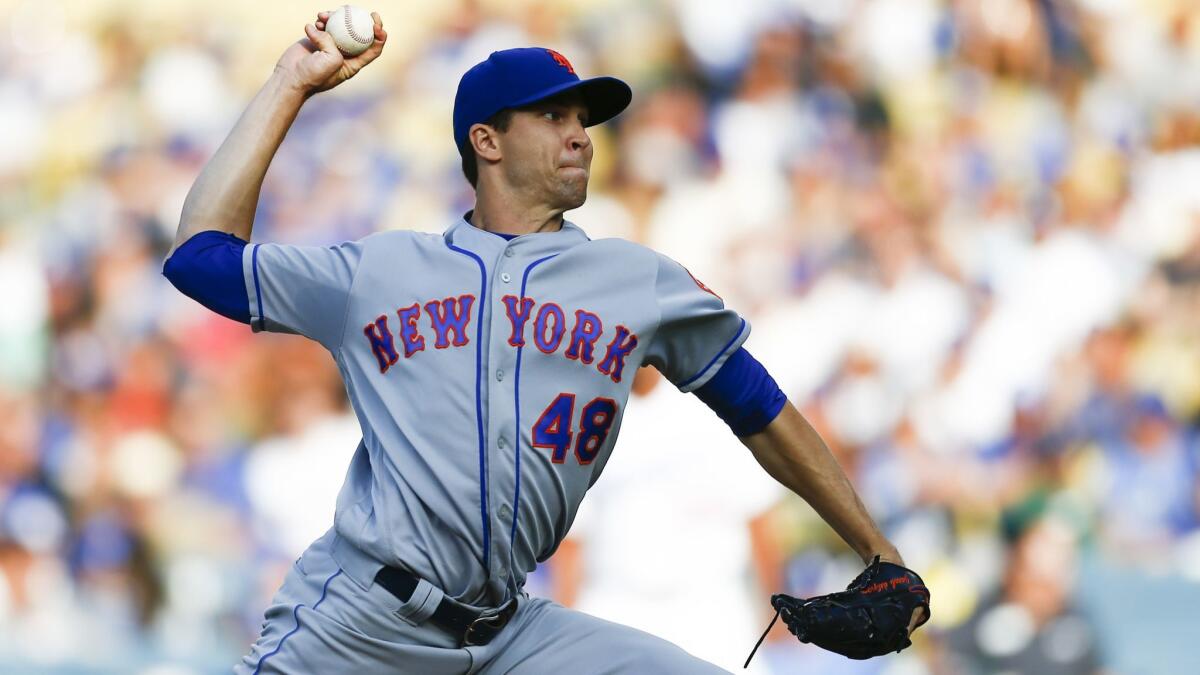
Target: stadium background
[{"x": 967, "y": 233}]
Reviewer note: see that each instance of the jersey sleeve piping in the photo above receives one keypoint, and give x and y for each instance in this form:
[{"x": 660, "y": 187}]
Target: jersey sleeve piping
[
  {"x": 699, "y": 379},
  {"x": 261, "y": 316}
]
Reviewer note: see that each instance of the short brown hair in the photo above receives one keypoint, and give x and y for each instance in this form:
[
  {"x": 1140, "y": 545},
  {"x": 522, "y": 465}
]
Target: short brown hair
[{"x": 500, "y": 122}]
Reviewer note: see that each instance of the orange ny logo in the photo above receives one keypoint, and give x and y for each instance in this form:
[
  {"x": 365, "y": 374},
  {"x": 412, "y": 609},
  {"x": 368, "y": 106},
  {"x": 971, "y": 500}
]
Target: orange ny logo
[{"x": 562, "y": 61}]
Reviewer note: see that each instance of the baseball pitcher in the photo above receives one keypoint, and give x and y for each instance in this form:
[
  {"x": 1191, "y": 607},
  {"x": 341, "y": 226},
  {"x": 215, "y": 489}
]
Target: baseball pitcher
[{"x": 489, "y": 368}]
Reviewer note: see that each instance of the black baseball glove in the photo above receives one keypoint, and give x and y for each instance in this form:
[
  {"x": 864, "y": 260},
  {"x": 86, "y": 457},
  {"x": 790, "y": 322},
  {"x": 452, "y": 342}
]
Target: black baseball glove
[{"x": 869, "y": 618}]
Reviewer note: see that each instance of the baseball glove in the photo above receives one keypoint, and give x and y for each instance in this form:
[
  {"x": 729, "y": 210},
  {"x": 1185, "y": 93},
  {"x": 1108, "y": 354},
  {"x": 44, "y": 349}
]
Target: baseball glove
[{"x": 869, "y": 618}]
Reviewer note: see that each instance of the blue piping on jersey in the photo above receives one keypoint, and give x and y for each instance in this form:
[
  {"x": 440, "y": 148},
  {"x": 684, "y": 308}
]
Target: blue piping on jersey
[
  {"x": 704, "y": 370},
  {"x": 296, "y": 618},
  {"x": 512, "y": 537},
  {"x": 262, "y": 316},
  {"x": 483, "y": 488}
]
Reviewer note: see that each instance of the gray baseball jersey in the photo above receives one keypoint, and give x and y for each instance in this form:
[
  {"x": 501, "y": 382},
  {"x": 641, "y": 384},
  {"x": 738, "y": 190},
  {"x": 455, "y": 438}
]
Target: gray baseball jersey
[{"x": 489, "y": 377}]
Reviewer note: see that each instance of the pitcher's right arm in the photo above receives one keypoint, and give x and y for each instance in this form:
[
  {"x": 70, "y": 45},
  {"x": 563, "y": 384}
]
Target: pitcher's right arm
[{"x": 225, "y": 195}]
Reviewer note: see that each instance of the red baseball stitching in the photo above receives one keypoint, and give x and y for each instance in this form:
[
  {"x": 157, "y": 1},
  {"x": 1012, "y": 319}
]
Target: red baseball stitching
[{"x": 350, "y": 28}]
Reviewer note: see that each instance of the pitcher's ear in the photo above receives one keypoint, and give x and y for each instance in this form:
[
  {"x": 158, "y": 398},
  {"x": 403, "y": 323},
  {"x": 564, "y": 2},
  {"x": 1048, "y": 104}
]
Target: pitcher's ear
[{"x": 485, "y": 140}]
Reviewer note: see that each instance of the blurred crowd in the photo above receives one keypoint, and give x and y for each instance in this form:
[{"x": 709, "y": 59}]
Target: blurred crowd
[{"x": 966, "y": 233}]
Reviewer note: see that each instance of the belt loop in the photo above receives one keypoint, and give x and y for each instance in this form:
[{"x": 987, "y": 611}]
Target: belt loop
[{"x": 425, "y": 599}]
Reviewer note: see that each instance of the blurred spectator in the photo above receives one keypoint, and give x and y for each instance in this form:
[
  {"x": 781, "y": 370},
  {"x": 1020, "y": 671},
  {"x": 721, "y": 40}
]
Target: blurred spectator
[{"x": 1032, "y": 624}]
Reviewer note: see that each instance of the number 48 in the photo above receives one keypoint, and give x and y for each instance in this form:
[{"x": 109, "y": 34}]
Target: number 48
[{"x": 553, "y": 428}]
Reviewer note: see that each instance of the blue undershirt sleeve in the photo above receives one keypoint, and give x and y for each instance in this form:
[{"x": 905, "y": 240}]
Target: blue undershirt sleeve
[
  {"x": 208, "y": 269},
  {"x": 743, "y": 394}
]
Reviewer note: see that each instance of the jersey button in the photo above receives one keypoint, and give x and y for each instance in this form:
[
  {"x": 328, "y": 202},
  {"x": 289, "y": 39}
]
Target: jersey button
[
  {"x": 505, "y": 511},
  {"x": 500, "y": 375},
  {"x": 508, "y": 253},
  {"x": 505, "y": 277},
  {"x": 500, "y": 443}
]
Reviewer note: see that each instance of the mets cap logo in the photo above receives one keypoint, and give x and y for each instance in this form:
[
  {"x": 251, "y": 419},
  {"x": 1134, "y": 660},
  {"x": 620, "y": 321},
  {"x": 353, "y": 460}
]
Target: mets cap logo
[{"x": 561, "y": 60}]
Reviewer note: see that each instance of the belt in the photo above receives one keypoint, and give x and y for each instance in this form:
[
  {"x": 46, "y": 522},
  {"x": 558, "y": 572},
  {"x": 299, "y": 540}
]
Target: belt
[{"x": 473, "y": 627}]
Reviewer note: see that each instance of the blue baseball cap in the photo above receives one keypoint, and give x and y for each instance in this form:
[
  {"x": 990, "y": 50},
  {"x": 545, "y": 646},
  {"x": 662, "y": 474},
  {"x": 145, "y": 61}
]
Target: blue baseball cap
[{"x": 515, "y": 77}]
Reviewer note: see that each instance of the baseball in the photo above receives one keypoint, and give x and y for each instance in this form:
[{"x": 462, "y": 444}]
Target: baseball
[{"x": 352, "y": 29}]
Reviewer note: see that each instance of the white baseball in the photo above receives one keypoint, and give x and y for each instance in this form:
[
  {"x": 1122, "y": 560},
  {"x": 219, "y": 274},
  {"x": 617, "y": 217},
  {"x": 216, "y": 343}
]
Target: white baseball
[{"x": 352, "y": 28}]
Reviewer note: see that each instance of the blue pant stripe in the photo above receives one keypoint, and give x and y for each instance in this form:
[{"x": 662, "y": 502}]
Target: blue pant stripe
[{"x": 296, "y": 618}]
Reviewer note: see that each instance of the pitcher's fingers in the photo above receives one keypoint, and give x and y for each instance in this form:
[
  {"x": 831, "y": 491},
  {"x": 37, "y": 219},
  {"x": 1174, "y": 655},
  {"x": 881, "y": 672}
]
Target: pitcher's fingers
[
  {"x": 375, "y": 49},
  {"x": 380, "y": 33},
  {"x": 371, "y": 52},
  {"x": 323, "y": 40}
]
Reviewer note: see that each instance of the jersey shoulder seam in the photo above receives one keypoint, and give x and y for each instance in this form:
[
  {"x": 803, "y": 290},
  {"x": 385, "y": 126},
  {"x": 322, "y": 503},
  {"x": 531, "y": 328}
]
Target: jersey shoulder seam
[
  {"x": 654, "y": 289},
  {"x": 350, "y": 291}
]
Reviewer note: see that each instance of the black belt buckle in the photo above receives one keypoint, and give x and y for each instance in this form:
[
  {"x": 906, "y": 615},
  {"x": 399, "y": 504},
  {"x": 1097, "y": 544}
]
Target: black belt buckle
[{"x": 488, "y": 624}]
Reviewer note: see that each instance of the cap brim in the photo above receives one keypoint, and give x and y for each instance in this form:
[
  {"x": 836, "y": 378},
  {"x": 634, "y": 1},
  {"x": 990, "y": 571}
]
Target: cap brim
[{"x": 605, "y": 97}]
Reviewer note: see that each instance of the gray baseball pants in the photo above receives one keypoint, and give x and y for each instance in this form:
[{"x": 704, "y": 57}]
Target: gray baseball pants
[{"x": 322, "y": 621}]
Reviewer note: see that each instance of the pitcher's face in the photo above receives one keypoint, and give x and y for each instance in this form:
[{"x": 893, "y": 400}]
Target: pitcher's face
[{"x": 547, "y": 153}]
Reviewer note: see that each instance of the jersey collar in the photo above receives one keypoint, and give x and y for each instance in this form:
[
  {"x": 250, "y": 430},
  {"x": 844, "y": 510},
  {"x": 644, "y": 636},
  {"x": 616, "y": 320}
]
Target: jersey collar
[{"x": 465, "y": 235}]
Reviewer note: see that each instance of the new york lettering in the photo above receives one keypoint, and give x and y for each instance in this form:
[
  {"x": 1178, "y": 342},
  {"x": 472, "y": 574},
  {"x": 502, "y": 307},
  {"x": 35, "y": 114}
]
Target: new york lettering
[{"x": 546, "y": 324}]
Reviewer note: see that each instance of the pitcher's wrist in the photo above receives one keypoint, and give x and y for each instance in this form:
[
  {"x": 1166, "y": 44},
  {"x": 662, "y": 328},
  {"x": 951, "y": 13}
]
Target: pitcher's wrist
[
  {"x": 886, "y": 553},
  {"x": 287, "y": 84}
]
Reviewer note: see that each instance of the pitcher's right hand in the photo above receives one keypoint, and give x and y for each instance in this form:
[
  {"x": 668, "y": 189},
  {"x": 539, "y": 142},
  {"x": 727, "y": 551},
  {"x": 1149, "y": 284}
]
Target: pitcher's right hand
[{"x": 314, "y": 63}]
